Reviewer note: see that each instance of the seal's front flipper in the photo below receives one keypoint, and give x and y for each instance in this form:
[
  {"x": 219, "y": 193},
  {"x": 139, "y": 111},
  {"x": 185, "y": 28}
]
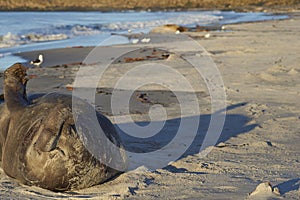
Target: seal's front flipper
[
  {"x": 47, "y": 140},
  {"x": 49, "y": 133}
]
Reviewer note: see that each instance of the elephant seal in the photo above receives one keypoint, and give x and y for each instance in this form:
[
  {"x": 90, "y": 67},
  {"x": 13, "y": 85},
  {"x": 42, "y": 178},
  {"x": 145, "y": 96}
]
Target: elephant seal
[{"x": 40, "y": 144}]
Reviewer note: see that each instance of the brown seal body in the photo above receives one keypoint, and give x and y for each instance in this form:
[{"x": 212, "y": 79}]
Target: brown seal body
[{"x": 40, "y": 144}]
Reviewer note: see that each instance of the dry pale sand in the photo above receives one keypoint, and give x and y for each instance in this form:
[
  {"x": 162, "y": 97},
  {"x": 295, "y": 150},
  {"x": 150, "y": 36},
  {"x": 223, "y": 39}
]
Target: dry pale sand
[{"x": 259, "y": 64}]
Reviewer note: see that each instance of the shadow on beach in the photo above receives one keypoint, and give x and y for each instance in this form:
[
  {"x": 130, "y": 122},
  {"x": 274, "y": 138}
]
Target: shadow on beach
[
  {"x": 234, "y": 125},
  {"x": 288, "y": 186}
]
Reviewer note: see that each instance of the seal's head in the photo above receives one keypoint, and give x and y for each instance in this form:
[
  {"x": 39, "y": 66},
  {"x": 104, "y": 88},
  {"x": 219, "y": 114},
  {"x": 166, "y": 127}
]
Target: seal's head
[
  {"x": 15, "y": 79},
  {"x": 16, "y": 73}
]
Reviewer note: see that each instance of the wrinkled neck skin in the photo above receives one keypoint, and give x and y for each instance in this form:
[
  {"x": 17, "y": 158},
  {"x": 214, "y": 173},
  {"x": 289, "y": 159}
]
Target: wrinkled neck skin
[{"x": 15, "y": 94}]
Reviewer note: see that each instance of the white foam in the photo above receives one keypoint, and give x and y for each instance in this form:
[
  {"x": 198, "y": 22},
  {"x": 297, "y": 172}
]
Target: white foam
[
  {"x": 186, "y": 19},
  {"x": 43, "y": 38},
  {"x": 9, "y": 40}
]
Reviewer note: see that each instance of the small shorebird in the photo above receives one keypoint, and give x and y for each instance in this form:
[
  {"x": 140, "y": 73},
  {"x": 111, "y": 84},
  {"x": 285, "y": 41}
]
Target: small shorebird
[
  {"x": 207, "y": 35},
  {"x": 38, "y": 61},
  {"x": 146, "y": 40},
  {"x": 135, "y": 41}
]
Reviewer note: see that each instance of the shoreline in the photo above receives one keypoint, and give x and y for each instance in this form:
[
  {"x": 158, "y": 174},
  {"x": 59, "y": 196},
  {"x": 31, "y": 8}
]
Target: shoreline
[
  {"x": 32, "y": 57},
  {"x": 75, "y": 55}
]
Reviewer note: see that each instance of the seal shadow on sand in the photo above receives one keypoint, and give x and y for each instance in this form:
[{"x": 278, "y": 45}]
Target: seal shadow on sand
[{"x": 234, "y": 125}]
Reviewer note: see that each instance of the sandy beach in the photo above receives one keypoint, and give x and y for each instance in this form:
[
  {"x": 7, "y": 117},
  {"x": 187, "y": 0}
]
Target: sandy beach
[{"x": 259, "y": 142}]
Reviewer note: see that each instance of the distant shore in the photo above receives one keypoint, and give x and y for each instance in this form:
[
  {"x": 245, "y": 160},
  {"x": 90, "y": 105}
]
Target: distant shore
[{"x": 153, "y": 5}]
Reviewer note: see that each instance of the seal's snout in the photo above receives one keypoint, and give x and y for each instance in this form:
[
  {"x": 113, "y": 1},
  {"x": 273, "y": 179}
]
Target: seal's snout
[{"x": 17, "y": 71}]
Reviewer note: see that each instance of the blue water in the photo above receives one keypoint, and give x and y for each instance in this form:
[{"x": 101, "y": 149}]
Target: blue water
[{"x": 26, "y": 31}]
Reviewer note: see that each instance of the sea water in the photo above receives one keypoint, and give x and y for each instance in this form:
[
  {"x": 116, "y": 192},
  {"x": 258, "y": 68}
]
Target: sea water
[{"x": 27, "y": 31}]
